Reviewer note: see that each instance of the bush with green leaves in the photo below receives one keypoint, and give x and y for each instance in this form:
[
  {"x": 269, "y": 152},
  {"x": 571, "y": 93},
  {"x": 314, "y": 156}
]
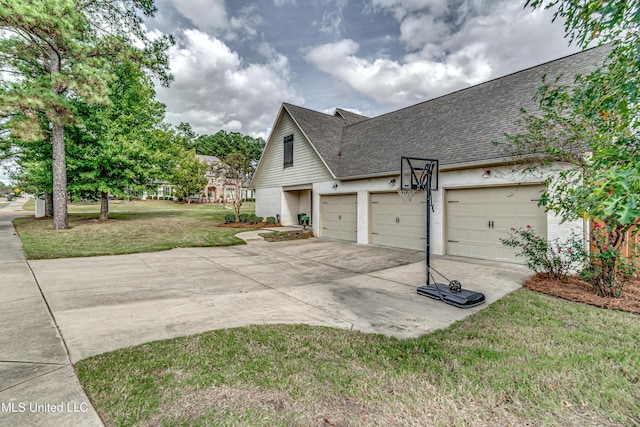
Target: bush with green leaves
[
  {"x": 556, "y": 258},
  {"x": 244, "y": 218},
  {"x": 607, "y": 270},
  {"x": 271, "y": 220},
  {"x": 229, "y": 218}
]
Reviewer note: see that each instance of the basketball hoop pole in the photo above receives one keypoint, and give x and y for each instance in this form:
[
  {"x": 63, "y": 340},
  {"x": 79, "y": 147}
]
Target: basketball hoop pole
[
  {"x": 452, "y": 293},
  {"x": 428, "y": 220}
]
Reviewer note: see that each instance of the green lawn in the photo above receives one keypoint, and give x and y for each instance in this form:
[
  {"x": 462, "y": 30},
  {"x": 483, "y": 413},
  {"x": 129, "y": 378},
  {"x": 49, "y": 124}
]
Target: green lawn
[
  {"x": 3, "y": 204},
  {"x": 140, "y": 226},
  {"x": 529, "y": 359}
]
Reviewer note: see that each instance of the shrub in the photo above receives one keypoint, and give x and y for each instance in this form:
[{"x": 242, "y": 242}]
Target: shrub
[
  {"x": 556, "y": 258},
  {"x": 271, "y": 220},
  {"x": 229, "y": 218},
  {"x": 244, "y": 218},
  {"x": 607, "y": 271}
]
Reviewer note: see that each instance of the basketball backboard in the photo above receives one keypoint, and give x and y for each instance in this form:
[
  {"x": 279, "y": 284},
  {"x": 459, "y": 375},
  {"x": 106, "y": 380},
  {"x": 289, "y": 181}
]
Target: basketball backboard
[{"x": 417, "y": 173}]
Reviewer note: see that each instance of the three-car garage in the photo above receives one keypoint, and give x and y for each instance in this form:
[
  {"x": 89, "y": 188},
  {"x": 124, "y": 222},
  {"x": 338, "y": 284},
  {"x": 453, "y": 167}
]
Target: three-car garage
[{"x": 474, "y": 219}]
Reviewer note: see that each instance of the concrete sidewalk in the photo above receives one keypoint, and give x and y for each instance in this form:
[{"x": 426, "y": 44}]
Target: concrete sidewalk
[{"x": 38, "y": 385}]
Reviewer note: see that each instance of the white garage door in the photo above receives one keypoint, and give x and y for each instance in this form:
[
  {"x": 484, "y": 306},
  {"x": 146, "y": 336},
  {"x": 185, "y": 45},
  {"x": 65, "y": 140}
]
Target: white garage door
[
  {"x": 478, "y": 218},
  {"x": 398, "y": 224},
  {"x": 339, "y": 216}
]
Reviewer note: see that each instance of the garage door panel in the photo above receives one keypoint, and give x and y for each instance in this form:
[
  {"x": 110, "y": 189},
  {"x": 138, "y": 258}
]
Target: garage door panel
[
  {"x": 468, "y": 249},
  {"x": 339, "y": 217},
  {"x": 480, "y": 217},
  {"x": 398, "y": 224}
]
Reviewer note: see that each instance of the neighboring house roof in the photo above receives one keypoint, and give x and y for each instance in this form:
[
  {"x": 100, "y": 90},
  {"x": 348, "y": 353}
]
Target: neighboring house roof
[
  {"x": 209, "y": 159},
  {"x": 457, "y": 129},
  {"x": 213, "y": 160}
]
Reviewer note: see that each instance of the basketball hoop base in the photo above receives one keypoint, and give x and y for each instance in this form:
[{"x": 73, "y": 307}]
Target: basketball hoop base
[{"x": 461, "y": 299}]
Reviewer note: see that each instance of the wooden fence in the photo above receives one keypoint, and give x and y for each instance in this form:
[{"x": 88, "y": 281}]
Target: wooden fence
[{"x": 631, "y": 246}]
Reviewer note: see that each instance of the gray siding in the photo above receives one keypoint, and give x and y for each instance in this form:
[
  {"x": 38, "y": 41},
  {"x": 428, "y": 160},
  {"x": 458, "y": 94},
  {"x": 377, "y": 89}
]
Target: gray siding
[{"x": 307, "y": 167}]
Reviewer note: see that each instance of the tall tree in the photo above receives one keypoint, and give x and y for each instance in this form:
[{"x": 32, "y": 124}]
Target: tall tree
[
  {"x": 592, "y": 124},
  {"x": 59, "y": 50},
  {"x": 223, "y": 143},
  {"x": 113, "y": 148}
]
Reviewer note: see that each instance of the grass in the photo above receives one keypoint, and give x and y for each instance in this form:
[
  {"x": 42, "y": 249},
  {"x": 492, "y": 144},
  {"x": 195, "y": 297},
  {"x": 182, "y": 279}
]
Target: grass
[
  {"x": 529, "y": 359},
  {"x": 30, "y": 205},
  {"x": 3, "y": 204},
  {"x": 141, "y": 226}
]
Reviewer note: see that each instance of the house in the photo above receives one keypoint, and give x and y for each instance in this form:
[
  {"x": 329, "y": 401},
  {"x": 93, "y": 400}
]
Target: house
[
  {"x": 219, "y": 190},
  {"x": 343, "y": 169}
]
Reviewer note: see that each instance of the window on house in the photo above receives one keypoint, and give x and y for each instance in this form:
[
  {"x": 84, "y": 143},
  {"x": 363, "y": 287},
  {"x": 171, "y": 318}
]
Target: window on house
[{"x": 288, "y": 151}]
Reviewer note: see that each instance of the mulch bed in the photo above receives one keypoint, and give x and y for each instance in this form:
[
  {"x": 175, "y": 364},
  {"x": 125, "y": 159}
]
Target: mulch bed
[
  {"x": 245, "y": 225},
  {"x": 287, "y": 235},
  {"x": 574, "y": 289}
]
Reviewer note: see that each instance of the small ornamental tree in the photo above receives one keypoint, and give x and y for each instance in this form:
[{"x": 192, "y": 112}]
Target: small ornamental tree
[{"x": 234, "y": 169}]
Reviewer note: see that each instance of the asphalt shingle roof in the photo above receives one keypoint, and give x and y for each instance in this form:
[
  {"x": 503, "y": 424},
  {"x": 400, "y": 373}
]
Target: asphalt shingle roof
[
  {"x": 349, "y": 117},
  {"x": 456, "y": 128},
  {"x": 323, "y": 131}
]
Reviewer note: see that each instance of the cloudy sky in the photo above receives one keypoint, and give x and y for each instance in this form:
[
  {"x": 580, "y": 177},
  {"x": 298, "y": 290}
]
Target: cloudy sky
[{"x": 236, "y": 61}]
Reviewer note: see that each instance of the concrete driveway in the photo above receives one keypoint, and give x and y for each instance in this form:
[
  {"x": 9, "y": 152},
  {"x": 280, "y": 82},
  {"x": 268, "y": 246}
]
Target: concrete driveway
[
  {"x": 56, "y": 312},
  {"x": 104, "y": 303}
]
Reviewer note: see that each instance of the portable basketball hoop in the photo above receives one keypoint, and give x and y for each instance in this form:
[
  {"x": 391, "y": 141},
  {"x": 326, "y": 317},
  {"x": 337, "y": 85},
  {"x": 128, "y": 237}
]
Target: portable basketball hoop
[{"x": 417, "y": 174}]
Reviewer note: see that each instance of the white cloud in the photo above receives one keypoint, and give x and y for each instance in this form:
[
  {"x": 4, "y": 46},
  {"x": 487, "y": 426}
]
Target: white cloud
[
  {"x": 204, "y": 14},
  {"x": 401, "y": 8},
  {"x": 395, "y": 82},
  {"x": 245, "y": 25},
  {"x": 488, "y": 39},
  {"x": 215, "y": 89},
  {"x": 418, "y": 30},
  {"x": 331, "y": 22},
  {"x": 279, "y": 3}
]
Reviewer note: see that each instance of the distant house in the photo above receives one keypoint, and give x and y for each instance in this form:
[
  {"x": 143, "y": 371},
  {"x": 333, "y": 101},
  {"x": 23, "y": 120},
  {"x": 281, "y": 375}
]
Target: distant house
[
  {"x": 343, "y": 169},
  {"x": 217, "y": 189}
]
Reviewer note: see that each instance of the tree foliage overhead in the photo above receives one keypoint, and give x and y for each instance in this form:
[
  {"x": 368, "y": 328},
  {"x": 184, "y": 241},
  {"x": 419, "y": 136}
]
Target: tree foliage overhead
[
  {"x": 592, "y": 125},
  {"x": 58, "y": 51}
]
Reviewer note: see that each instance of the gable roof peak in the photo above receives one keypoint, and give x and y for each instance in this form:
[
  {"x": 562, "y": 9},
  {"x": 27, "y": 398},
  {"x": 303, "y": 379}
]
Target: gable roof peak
[{"x": 349, "y": 117}]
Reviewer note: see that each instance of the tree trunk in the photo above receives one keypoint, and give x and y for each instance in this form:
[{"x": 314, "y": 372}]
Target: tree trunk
[
  {"x": 237, "y": 202},
  {"x": 48, "y": 204},
  {"x": 60, "y": 219},
  {"x": 104, "y": 206}
]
